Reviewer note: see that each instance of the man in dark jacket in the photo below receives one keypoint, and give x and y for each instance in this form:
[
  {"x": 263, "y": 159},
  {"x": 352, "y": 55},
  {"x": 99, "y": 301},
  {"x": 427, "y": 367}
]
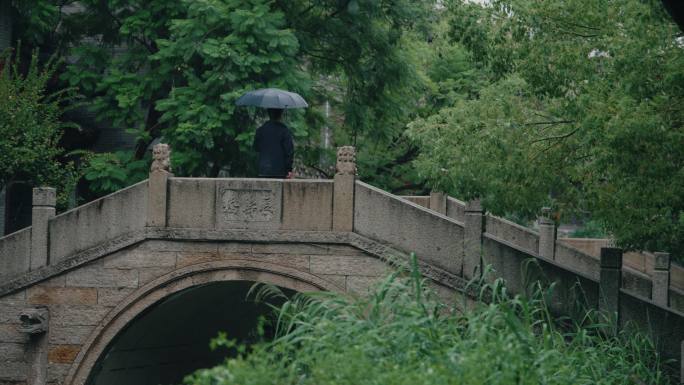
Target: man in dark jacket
[{"x": 273, "y": 142}]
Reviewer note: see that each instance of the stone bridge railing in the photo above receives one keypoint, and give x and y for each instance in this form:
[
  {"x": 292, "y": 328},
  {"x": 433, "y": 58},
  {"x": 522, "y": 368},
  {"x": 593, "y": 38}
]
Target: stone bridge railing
[
  {"x": 648, "y": 275},
  {"x": 449, "y": 236}
]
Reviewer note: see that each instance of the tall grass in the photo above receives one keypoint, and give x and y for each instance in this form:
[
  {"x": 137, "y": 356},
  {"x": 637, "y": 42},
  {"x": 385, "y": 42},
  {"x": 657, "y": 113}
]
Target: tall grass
[{"x": 402, "y": 334}]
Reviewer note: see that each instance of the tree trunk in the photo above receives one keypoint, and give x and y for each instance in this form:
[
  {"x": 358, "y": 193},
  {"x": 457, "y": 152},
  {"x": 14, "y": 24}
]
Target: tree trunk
[{"x": 5, "y": 24}]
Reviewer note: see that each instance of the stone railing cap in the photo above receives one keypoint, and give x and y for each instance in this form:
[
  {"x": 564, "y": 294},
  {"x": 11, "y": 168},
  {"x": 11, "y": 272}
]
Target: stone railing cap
[
  {"x": 473, "y": 205},
  {"x": 662, "y": 261},
  {"x": 611, "y": 257},
  {"x": 44, "y": 196}
]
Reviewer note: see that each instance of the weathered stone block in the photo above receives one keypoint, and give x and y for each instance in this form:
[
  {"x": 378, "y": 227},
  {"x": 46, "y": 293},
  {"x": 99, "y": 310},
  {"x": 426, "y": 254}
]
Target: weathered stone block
[
  {"x": 345, "y": 265},
  {"x": 192, "y": 203},
  {"x": 40, "y": 216},
  {"x": 95, "y": 276},
  {"x": 9, "y": 313},
  {"x": 577, "y": 261},
  {"x": 190, "y": 258},
  {"x": 44, "y": 196},
  {"x": 63, "y": 354},
  {"x": 339, "y": 280},
  {"x": 609, "y": 290},
  {"x": 164, "y": 245},
  {"x": 419, "y": 200},
  {"x": 73, "y": 315},
  {"x": 636, "y": 283},
  {"x": 343, "y": 202},
  {"x": 15, "y": 254},
  {"x": 69, "y": 334},
  {"x": 472, "y": 239},
  {"x": 547, "y": 237},
  {"x": 662, "y": 261},
  {"x": 676, "y": 299},
  {"x": 299, "y": 262},
  {"x": 112, "y": 296},
  {"x": 307, "y": 205},
  {"x": 345, "y": 250},
  {"x": 10, "y": 333},
  {"x": 13, "y": 371},
  {"x": 234, "y": 248},
  {"x": 435, "y": 239},
  {"x": 103, "y": 219},
  {"x": 661, "y": 287},
  {"x": 40, "y": 295},
  {"x": 137, "y": 258},
  {"x": 147, "y": 274},
  {"x": 611, "y": 258},
  {"x": 288, "y": 248},
  {"x": 58, "y": 281},
  {"x": 637, "y": 261},
  {"x": 18, "y": 297},
  {"x": 56, "y": 373},
  {"x": 361, "y": 285},
  {"x": 157, "y": 196},
  {"x": 438, "y": 202},
  {"x": 512, "y": 232},
  {"x": 248, "y": 204},
  {"x": 12, "y": 352},
  {"x": 455, "y": 209}
]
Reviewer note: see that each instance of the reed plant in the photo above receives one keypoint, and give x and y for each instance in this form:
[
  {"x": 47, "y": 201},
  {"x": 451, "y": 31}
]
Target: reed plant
[{"x": 402, "y": 334}]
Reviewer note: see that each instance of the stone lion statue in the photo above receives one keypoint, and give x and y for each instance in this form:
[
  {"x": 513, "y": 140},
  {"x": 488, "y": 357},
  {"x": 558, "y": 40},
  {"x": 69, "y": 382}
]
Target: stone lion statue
[
  {"x": 346, "y": 160},
  {"x": 161, "y": 161}
]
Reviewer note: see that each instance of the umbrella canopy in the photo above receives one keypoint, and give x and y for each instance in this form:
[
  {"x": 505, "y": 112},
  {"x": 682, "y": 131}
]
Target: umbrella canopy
[{"x": 272, "y": 98}]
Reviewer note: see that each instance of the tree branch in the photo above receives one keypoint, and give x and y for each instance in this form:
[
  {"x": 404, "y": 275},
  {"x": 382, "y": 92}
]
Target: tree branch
[
  {"x": 307, "y": 10},
  {"x": 323, "y": 172},
  {"x": 550, "y": 122},
  {"x": 574, "y": 24},
  {"x": 555, "y": 137},
  {"x": 578, "y": 34},
  {"x": 118, "y": 21},
  {"x": 322, "y": 57}
]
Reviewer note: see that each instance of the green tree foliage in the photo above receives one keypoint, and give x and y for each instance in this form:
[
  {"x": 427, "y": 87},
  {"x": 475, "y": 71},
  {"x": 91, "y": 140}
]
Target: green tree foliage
[
  {"x": 402, "y": 334},
  {"x": 30, "y": 127},
  {"x": 109, "y": 172},
  {"x": 243, "y": 44},
  {"x": 173, "y": 70},
  {"x": 581, "y": 112}
]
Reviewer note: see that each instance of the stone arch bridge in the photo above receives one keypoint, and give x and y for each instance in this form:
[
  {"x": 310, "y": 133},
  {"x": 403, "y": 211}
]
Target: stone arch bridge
[{"x": 129, "y": 288}]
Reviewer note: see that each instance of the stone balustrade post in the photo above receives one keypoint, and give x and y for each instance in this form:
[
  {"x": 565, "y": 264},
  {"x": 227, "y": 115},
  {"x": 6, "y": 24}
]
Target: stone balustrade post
[
  {"x": 157, "y": 185},
  {"x": 438, "y": 202},
  {"x": 44, "y": 200},
  {"x": 3, "y": 200},
  {"x": 610, "y": 280},
  {"x": 547, "y": 234},
  {"x": 472, "y": 239},
  {"x": 343, "y": 191},
  {"x": 660, "y": 293},
  {"x": 681, "y": 364}
]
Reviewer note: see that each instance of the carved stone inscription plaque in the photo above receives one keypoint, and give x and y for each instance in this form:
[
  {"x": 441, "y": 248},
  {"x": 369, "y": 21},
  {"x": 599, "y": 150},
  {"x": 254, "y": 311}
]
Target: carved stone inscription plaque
[{"x": 248, "y": 204}]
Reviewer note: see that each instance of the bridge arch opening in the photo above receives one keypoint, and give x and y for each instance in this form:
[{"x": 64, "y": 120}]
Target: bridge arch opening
[
  {"x": 148, "y": 318},
  {"x": 170, "y": 339}
]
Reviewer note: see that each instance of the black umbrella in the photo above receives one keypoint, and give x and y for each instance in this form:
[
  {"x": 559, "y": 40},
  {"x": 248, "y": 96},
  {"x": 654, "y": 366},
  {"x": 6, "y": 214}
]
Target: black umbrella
[{"x": 272, "y": 98}]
